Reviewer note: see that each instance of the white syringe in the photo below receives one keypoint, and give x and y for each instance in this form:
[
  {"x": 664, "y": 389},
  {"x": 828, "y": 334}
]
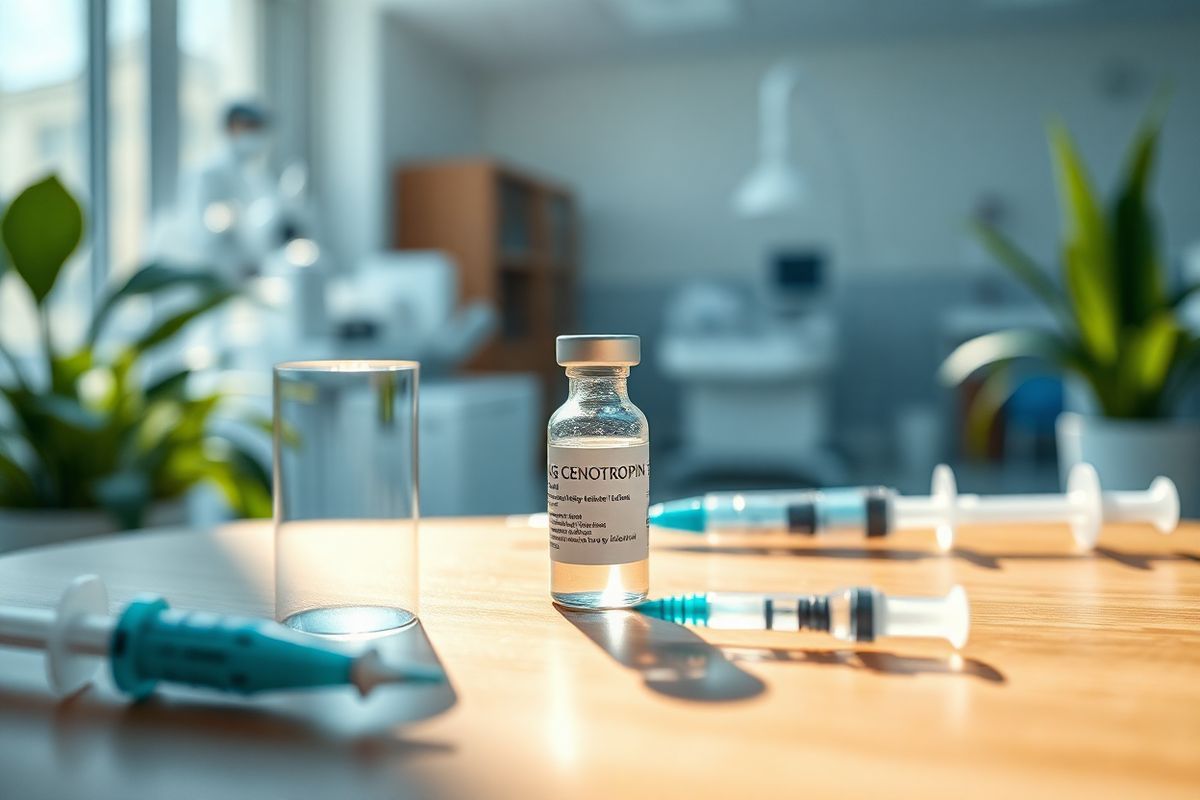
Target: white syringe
[{"x": 878, "y": 511}]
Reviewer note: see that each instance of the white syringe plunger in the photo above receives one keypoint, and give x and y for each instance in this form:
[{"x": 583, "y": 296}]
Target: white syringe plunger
[
  {"x": 1083, "y": 506},
  {"x": 74, "y": 634}
]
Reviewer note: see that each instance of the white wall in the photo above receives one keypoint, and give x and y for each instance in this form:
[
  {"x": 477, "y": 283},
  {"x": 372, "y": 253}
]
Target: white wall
[
  {"x": 433, "y": 101},
  {"x": 347, "y": 127},
  {"x": 656, "y": 147},
  {"x": 381, "y": 95}
]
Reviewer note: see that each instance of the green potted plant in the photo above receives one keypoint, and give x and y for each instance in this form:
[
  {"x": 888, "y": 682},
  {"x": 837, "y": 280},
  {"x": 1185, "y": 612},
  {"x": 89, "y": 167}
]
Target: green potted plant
[
  {"x": 1118, "y": 332},
  {"x": 89, "y": 441}
]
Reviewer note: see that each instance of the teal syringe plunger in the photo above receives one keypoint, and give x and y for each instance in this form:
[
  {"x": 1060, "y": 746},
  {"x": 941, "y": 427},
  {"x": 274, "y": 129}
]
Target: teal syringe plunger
[
  {"x": 149, "y": 642},
  {"x": 878, "y": 511},
  {"x": 851, "y": 615}
]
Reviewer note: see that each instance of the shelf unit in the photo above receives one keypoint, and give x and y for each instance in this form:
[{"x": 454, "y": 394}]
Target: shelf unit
[{"x": 515, "y": 238}]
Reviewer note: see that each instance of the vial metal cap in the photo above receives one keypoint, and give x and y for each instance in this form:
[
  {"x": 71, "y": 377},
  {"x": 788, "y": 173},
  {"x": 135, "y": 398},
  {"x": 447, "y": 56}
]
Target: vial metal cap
[{"x": 617, "y": 349}]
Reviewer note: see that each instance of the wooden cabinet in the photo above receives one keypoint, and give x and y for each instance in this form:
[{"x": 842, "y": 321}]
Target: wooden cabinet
[{"x": 515, "y": 239}]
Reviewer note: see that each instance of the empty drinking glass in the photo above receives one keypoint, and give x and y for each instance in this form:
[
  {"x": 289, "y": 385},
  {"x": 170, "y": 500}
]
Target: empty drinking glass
[{"x": 346, "y": 496}]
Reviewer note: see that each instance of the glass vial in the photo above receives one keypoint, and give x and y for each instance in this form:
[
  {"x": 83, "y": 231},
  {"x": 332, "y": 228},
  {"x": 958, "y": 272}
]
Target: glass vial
[{"x": 598, "y": 478}]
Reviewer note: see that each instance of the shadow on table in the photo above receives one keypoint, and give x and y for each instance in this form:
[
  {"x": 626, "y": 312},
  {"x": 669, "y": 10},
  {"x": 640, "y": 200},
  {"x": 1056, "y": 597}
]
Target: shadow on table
[
  {"x": 328, "y": 741},
  {"x": 1139, "y": 561},
  {"x": 671, "y": 659},
  {"x": 872, "y": 661}
]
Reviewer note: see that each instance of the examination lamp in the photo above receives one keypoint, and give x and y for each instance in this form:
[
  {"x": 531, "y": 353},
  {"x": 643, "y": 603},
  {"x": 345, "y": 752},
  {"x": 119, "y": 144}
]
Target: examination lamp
[{"x": 775, "y": 185}]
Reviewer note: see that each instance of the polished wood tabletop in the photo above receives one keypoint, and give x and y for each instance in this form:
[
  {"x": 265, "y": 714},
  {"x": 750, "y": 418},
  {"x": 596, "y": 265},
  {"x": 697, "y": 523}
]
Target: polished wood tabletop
[{"x": 1081, "y": 678}]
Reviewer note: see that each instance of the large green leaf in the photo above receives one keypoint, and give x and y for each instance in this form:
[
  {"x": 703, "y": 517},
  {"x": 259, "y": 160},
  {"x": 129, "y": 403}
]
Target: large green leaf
[
  {"x": 1147, "y": 356},
  {"x": 1095, "y": 313},
  {"x": 1087, "y": 261},
  {"x": 152, "y": 279},
  {"x": 41, "y": 228},
  {"x": 1139, "y": 272},
  {"x": 1002, "y": 346}
]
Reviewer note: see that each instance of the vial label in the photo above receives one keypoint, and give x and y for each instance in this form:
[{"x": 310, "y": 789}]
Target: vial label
[{"x": 597, "y": 500}]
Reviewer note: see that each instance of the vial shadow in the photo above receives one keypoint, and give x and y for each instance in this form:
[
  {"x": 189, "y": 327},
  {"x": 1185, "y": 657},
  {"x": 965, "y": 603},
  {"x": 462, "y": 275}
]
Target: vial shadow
[
  {"x": 874, "y": 661},
  {"x": 672, "y": 660}
]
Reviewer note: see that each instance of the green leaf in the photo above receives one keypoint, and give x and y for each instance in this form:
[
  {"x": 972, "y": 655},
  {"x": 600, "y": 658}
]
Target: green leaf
[
  {"x": 40, "y": 230},
  {"x": 65, "y": 370},
  {"x": 1087, "y": 262},
  {"x": 1023, "y": 267},
  {"x": 1146, "y": 362},
  {"x": 1139, "y": 272},
  {"x": 16, "y": 485},
  {"x": 152, "y": 279},
  {"x": 1095, "y": 316},
  {"x": 173, "y": 324},
  {"x": 1002, "y": 346},
  {"x": 1181, "y": 296},
  {"x": 169, "y": 387}
]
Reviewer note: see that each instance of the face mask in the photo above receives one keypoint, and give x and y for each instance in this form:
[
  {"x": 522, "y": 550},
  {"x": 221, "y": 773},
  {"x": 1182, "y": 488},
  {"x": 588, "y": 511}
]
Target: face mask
[{"x": 249, "y": 145}]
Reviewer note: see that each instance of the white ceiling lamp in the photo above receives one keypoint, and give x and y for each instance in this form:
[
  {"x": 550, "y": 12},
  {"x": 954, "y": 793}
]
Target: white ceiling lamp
[{"x": 775, "y": 185}]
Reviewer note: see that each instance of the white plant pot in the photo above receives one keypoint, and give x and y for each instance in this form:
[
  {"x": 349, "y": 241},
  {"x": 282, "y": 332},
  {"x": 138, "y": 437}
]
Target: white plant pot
[
  {"x": 1130, "y": 453},
  {"x": 21, "y": 528}
]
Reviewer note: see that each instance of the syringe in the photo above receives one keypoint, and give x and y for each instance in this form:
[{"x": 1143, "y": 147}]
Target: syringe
[
  {"x": 149, "y": 642},
  {"x": 879, "y": 511},
  {"x": 852, "y": 615}
]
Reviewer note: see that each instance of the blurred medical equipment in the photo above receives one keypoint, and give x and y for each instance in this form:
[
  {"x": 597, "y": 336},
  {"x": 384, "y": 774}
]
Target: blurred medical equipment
[
  {"x": 405, "y": 303},
  {"x": 878, "y": 511},
  {"x": 235, "y": 212},
  {"x": 148, "y": 643},
  {"x": 755, "y": 374},
  {"x": 851, "y": 615}
]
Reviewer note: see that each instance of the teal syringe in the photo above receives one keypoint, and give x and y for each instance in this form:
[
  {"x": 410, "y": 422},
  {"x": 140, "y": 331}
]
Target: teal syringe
[
  {"x": 149, "y": 642},
  {"x": 878, "y": 511},
  {"x": 852, "y": 615}
]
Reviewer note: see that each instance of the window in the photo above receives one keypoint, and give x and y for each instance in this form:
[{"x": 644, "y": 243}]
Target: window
[
  {"x": 42, "y": 124},
  {"x": 219, "y": 52},
  {"x": 155, "y": 125},
  {"x": 128, "y": 133}
]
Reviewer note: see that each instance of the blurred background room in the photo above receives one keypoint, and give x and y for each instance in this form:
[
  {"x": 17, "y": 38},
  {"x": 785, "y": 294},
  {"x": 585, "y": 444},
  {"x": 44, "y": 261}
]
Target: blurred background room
[{"x": 803, "y": 207}]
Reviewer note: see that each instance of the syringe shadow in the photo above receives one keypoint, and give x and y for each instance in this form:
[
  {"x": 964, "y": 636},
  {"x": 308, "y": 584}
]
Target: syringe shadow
[
  {"x": 223, "y": 745},
  {"x": 213, "y": 748},
  {"x": 671, "y": 659},
  {"x": 993, "y": 561},
  {"x": 873, "y": 661}
]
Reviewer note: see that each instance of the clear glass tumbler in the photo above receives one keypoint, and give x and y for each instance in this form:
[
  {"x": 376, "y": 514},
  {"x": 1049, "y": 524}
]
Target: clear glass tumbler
[{"x": 346, "y": 511}]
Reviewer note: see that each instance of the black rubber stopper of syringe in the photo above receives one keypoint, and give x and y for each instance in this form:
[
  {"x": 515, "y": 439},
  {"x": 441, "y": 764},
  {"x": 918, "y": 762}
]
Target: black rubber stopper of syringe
[
  {"x": 862, "y": 615},
  {"x": 877, "y": 511},
  {"x": 813, "y": 613},
  {"x": 802, "y": 518}
]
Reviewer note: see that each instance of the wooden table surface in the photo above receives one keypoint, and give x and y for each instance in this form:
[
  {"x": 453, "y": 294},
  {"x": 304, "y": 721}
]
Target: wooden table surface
[{"x": 1081, "y": 678}]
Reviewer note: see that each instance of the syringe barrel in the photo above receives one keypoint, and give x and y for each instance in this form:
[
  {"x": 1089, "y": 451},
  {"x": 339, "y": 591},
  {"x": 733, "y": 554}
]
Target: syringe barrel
[
  {"x": 237, "y": 654},
  {"x": 945, "y": 617},
  {"x": 805, "y": 512}
]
